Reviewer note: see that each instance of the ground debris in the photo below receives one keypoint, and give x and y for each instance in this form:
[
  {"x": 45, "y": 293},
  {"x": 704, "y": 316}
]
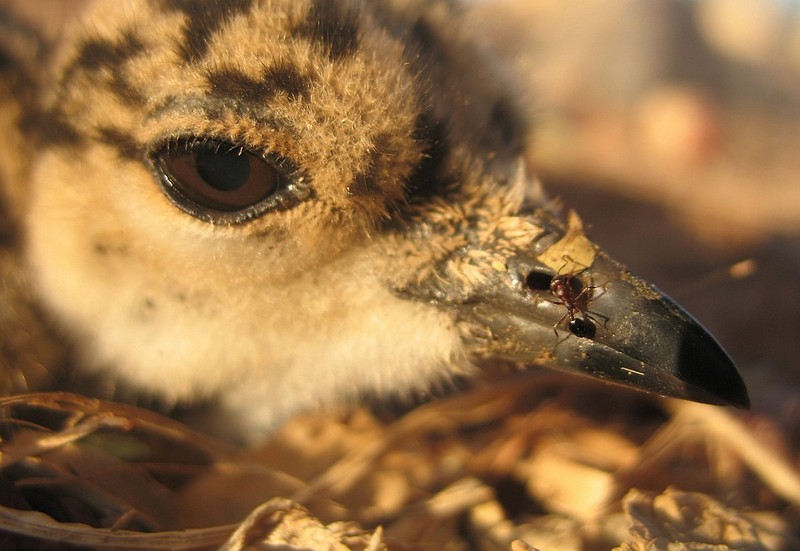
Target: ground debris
[
  {"x": 538, "y": 460},
  {"x": 691, "y": 521}
]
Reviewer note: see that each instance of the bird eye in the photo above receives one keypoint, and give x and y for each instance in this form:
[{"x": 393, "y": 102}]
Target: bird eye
[{"x": 217, "y": 181}]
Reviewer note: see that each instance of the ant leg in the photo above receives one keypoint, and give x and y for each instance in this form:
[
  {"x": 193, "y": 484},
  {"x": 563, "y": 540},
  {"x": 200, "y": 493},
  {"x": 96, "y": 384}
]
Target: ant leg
[
  {"x": 594, "y": 315},
  {"x": 556, "y": 324}
]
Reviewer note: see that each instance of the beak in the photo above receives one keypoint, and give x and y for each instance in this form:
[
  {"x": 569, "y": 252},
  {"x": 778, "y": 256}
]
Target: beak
[{"x": 597, "y": 320}]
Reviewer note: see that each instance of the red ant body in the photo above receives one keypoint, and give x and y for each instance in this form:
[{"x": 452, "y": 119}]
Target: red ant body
[{"x": 575, "y": 297}]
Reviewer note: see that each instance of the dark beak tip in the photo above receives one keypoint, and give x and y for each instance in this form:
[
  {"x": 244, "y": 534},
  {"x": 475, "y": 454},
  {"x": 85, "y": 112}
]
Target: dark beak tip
[
  {"x": 735, "y": 391},
  {"x": 743, "y": 403},
  {"x": 734, "y": 395},
  {"x": 704, "y": 365}
]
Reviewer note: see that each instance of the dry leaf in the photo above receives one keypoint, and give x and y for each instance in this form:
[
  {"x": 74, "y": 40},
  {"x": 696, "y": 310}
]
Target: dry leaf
[
  {"x": 285, "y": 525},
  {"x": 689, "y": 521}
]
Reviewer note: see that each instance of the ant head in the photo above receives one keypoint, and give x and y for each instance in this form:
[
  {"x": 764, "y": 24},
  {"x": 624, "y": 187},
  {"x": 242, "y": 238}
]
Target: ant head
[
  {"x": 566, "y": 284},
  {"x": 561, "y": 285}
]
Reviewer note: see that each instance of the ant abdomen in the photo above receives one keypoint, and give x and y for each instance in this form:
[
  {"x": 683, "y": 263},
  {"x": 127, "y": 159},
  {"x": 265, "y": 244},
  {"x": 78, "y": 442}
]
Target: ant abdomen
[{"x": 582, "y": 328}]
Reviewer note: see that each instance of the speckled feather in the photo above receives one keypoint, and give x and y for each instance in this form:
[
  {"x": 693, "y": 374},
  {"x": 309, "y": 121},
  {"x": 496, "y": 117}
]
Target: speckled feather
[{"x": 407, "y": 138}]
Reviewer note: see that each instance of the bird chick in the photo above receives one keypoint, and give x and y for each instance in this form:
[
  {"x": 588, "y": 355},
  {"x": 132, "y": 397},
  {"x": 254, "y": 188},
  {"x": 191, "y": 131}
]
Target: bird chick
[{"x": 280, "y": 205}]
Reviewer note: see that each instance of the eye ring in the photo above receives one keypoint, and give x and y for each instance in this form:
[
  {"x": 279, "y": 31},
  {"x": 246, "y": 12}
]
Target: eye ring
[{"x": 222, "y": 183}]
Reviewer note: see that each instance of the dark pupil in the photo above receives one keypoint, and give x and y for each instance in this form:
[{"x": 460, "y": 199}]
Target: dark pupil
[{"x": 223, "y": 171}]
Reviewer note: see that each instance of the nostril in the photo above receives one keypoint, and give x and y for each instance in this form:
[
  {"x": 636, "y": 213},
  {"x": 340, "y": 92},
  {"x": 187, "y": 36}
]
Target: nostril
[{"x": 538, "y": 281}]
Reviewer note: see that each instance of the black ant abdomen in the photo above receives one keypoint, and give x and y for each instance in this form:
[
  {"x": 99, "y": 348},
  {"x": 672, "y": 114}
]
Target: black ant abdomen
[{"x": 582, "y": 328}]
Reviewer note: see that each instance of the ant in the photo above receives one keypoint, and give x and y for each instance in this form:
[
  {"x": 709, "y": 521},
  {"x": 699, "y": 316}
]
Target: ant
[{"x": 575, "y": 297}]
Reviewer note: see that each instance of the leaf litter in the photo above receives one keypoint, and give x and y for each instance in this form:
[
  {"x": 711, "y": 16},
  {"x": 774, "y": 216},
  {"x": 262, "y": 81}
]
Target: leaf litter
[{"x": 535, "y": 461}]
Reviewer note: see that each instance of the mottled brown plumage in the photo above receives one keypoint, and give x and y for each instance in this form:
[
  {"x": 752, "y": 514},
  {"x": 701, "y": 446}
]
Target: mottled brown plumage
[{"x": 286, "y": 204}]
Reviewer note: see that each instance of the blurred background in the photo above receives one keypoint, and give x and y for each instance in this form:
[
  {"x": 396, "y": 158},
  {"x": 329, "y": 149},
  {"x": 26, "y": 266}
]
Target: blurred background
[{"x": 673, "y": 128}]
